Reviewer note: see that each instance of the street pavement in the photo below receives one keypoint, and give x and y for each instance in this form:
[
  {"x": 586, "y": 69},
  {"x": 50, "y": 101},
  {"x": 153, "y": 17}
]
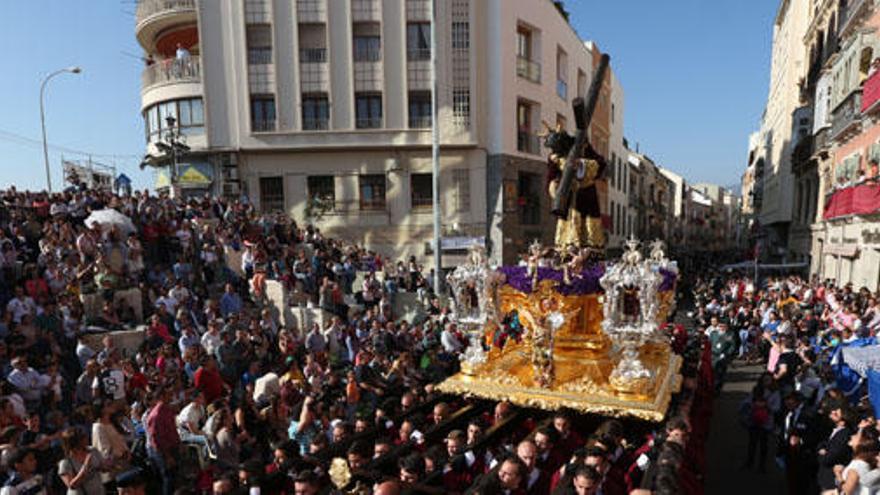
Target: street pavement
[{"x": 728, "y": 442}]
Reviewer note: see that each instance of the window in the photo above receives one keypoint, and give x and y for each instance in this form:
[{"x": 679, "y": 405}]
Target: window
[
  {"x": 421, "y": 190},
  {"x": 315, "y": 112},
  {"x": 613, "y": 218},
  {"x": 418, "y": 41},
  {"x": 372, "y": 188},
  {"x": 523, "y": 43},
  {"x": 461, "y": 188},
  {"x": 461, "y": 107},
  {"x": 188, "y": 114},
  {"x": 368, "y": 111},
  {"x": 322, "y": 187},
  {"x": 271, "y": 194},
  {"x": 561, "y": 73},
  {"x": 419, "y": 109},
  {"x": 367, "y": 42},
  {"x": 312, "y": 43},
  {"x": 262, "y": 113},
  {"x": 529, "y": 200},
  {"x": 612, "y": 172},
  {"x": 582, "y": 83},
  {"x": 525, "y": 140},
  {"x": 259, "y": 44},
  {"x": 612, "y": 112},
  {"x": 461, "y": 35}
]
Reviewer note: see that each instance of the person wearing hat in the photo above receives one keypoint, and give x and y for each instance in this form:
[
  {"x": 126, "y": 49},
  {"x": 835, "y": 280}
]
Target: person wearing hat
[{"x": 132, "y": 482}]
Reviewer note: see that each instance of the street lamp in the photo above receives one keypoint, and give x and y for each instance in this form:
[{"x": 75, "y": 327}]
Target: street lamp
[
  {"x": 173, "y": 147},
  {"x": 72, "y": 70}
]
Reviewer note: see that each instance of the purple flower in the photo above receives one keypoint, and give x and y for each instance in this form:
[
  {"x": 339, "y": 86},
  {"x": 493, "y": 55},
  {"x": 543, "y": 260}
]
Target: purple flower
[
  {"x": 669, "y": 279},
  {"x": 583, "y": 283}
]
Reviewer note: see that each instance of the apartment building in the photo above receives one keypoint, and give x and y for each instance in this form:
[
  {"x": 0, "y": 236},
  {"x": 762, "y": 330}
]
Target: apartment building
[
  {"x": 846, "y": 232},
  {"x": 321, "y": 109},
  {"x": 777, "y": 182}
]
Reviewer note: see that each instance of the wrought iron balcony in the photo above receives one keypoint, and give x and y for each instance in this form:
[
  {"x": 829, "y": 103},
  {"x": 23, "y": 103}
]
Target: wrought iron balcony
[
  {"x": 528, "y": 69},
  {"x": 846, "y": 118},
  {"x": 172, "y": 71}
]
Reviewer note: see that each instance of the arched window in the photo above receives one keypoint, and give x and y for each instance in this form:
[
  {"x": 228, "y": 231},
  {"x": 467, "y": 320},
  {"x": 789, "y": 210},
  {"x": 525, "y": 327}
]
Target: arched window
[{"x": 865, "y": 60}]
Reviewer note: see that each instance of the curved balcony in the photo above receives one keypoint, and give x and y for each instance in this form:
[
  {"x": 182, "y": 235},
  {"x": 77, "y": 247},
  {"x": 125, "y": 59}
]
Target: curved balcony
[
  {"x": 171, "y": 79},
  {"x": 155, "y": 16}
]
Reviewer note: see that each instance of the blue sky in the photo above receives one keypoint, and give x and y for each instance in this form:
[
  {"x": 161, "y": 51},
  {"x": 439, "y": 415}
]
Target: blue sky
[{"x": 695, "y": 74}]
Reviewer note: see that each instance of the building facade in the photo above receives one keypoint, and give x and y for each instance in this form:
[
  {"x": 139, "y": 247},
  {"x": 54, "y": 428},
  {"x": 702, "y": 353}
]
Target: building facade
[
  {"x": 777, "y": 181},
  {"x": 321, "y": 109},
  {"x": 846, "y": 234}
]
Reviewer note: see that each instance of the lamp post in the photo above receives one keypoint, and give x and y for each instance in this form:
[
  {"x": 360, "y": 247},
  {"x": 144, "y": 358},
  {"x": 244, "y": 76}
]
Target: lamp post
[
  {"x": 72, "y": 70},
  {"x": 173, "y": 147}
]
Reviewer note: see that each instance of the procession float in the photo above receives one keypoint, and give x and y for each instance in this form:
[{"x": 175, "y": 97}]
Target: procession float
[{"x": 567, "y": 329}]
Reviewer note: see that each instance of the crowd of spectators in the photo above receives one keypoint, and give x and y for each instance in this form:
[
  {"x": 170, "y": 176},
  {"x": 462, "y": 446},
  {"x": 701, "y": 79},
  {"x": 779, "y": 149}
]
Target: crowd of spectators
[
  {"x": 220, "y": 397},
  {"x": 813, "y": 412}
]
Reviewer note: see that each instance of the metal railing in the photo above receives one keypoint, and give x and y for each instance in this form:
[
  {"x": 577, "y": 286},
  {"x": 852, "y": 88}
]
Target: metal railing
[
  {"x": 527, "y": 142},
  {"x": 149, "y": 8},
  {"x": 367, "y": 55},
  {"x": 420, "y": 122},
  {"x": 418, "y": 54},
  {"x": 316, "y": 124},
  {"x": 847, "y": 115},
  {"x": 368, "y": 123},
  {"x": 528, "y": 69},
  {"x": 263, "y": 125},
  {"x": 177, "y": 70},
  {"x": 313, "y": 55}
]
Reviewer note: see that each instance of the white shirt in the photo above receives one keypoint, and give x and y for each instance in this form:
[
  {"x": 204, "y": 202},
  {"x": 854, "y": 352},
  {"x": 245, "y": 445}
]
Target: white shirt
[
  {"x": 29, "y": 382},
  {"x": 19, "y": 307},
  {"x": 211, "y": 342},
  {"x": 112, "y": 383},
  {"x": 192, "y": 414}
]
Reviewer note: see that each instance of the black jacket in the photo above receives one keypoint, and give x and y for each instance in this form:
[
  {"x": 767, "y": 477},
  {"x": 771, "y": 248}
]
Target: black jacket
[{"x": 837, "y": 451}]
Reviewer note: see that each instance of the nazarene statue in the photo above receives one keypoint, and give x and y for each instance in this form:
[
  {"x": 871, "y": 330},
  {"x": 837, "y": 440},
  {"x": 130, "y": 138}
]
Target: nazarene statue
[{"x": 580, "y": 224}]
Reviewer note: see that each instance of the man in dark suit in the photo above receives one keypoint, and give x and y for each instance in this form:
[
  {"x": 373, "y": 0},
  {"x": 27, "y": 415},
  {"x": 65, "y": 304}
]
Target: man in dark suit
[
  {"x": 798, "y": 445},
  {"x": 834, "y": 450},
  {"x": 536, "y": 481}
]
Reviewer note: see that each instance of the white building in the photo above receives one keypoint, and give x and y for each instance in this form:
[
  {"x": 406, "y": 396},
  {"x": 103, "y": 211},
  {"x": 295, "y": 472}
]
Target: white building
[
  {"x": 786, "y": 70},
  {"x": 287, "y": 101}
]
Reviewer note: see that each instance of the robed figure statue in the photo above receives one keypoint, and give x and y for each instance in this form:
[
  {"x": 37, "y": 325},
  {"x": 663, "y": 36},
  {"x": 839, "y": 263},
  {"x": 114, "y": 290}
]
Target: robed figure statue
[{"x": 580, "y": 224}]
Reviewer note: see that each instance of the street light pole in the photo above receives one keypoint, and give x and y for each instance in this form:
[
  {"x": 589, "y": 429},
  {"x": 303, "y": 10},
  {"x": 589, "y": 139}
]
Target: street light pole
[
  {"x": 72, "y": 70},
  {"x": 435, "y": 155}
]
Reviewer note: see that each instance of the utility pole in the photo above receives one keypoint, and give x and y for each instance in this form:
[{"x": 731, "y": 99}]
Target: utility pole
[{"x": 435, "y": 154}]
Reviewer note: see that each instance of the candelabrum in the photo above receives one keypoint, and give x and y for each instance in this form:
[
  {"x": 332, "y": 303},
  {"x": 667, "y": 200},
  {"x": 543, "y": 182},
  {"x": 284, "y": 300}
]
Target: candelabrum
[
  {"x": 472, "y": 305},
  {"x": 630, "y": 316}
]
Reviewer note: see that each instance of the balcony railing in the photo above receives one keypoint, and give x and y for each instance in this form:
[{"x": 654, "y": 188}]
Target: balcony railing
[
  {"x": 184, "y": 70},
  {"x": 527, "y": 142},
  {"x": 847, "y": 116},
  {"x": 316, "y": 124},
  {"x": 368, "y": 123},
  {"x": 263, "y": 125},
  {"x": 420, "y": 122},
  {"x": 313, "y": 55},
  {"x": 850, "y": 14},
  {"x": 871, "y": 94},
  {"x": 528, "y": 69},
  {"x": 418, "y": 54},
  {"x": 367, "y": 55},
  {"x": 149, "y": 8}
]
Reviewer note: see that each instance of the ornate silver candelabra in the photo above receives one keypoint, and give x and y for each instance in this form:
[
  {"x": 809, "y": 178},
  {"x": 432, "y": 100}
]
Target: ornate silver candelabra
[{"x": 630, "y": 316}]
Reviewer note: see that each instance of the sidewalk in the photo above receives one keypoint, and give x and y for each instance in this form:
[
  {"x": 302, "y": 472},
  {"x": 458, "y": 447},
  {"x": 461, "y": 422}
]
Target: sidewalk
[{"x": 728, "y": 442}]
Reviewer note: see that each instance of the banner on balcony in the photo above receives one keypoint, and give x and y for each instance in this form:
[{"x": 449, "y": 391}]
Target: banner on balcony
[{"x": 857, "y": 200}]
